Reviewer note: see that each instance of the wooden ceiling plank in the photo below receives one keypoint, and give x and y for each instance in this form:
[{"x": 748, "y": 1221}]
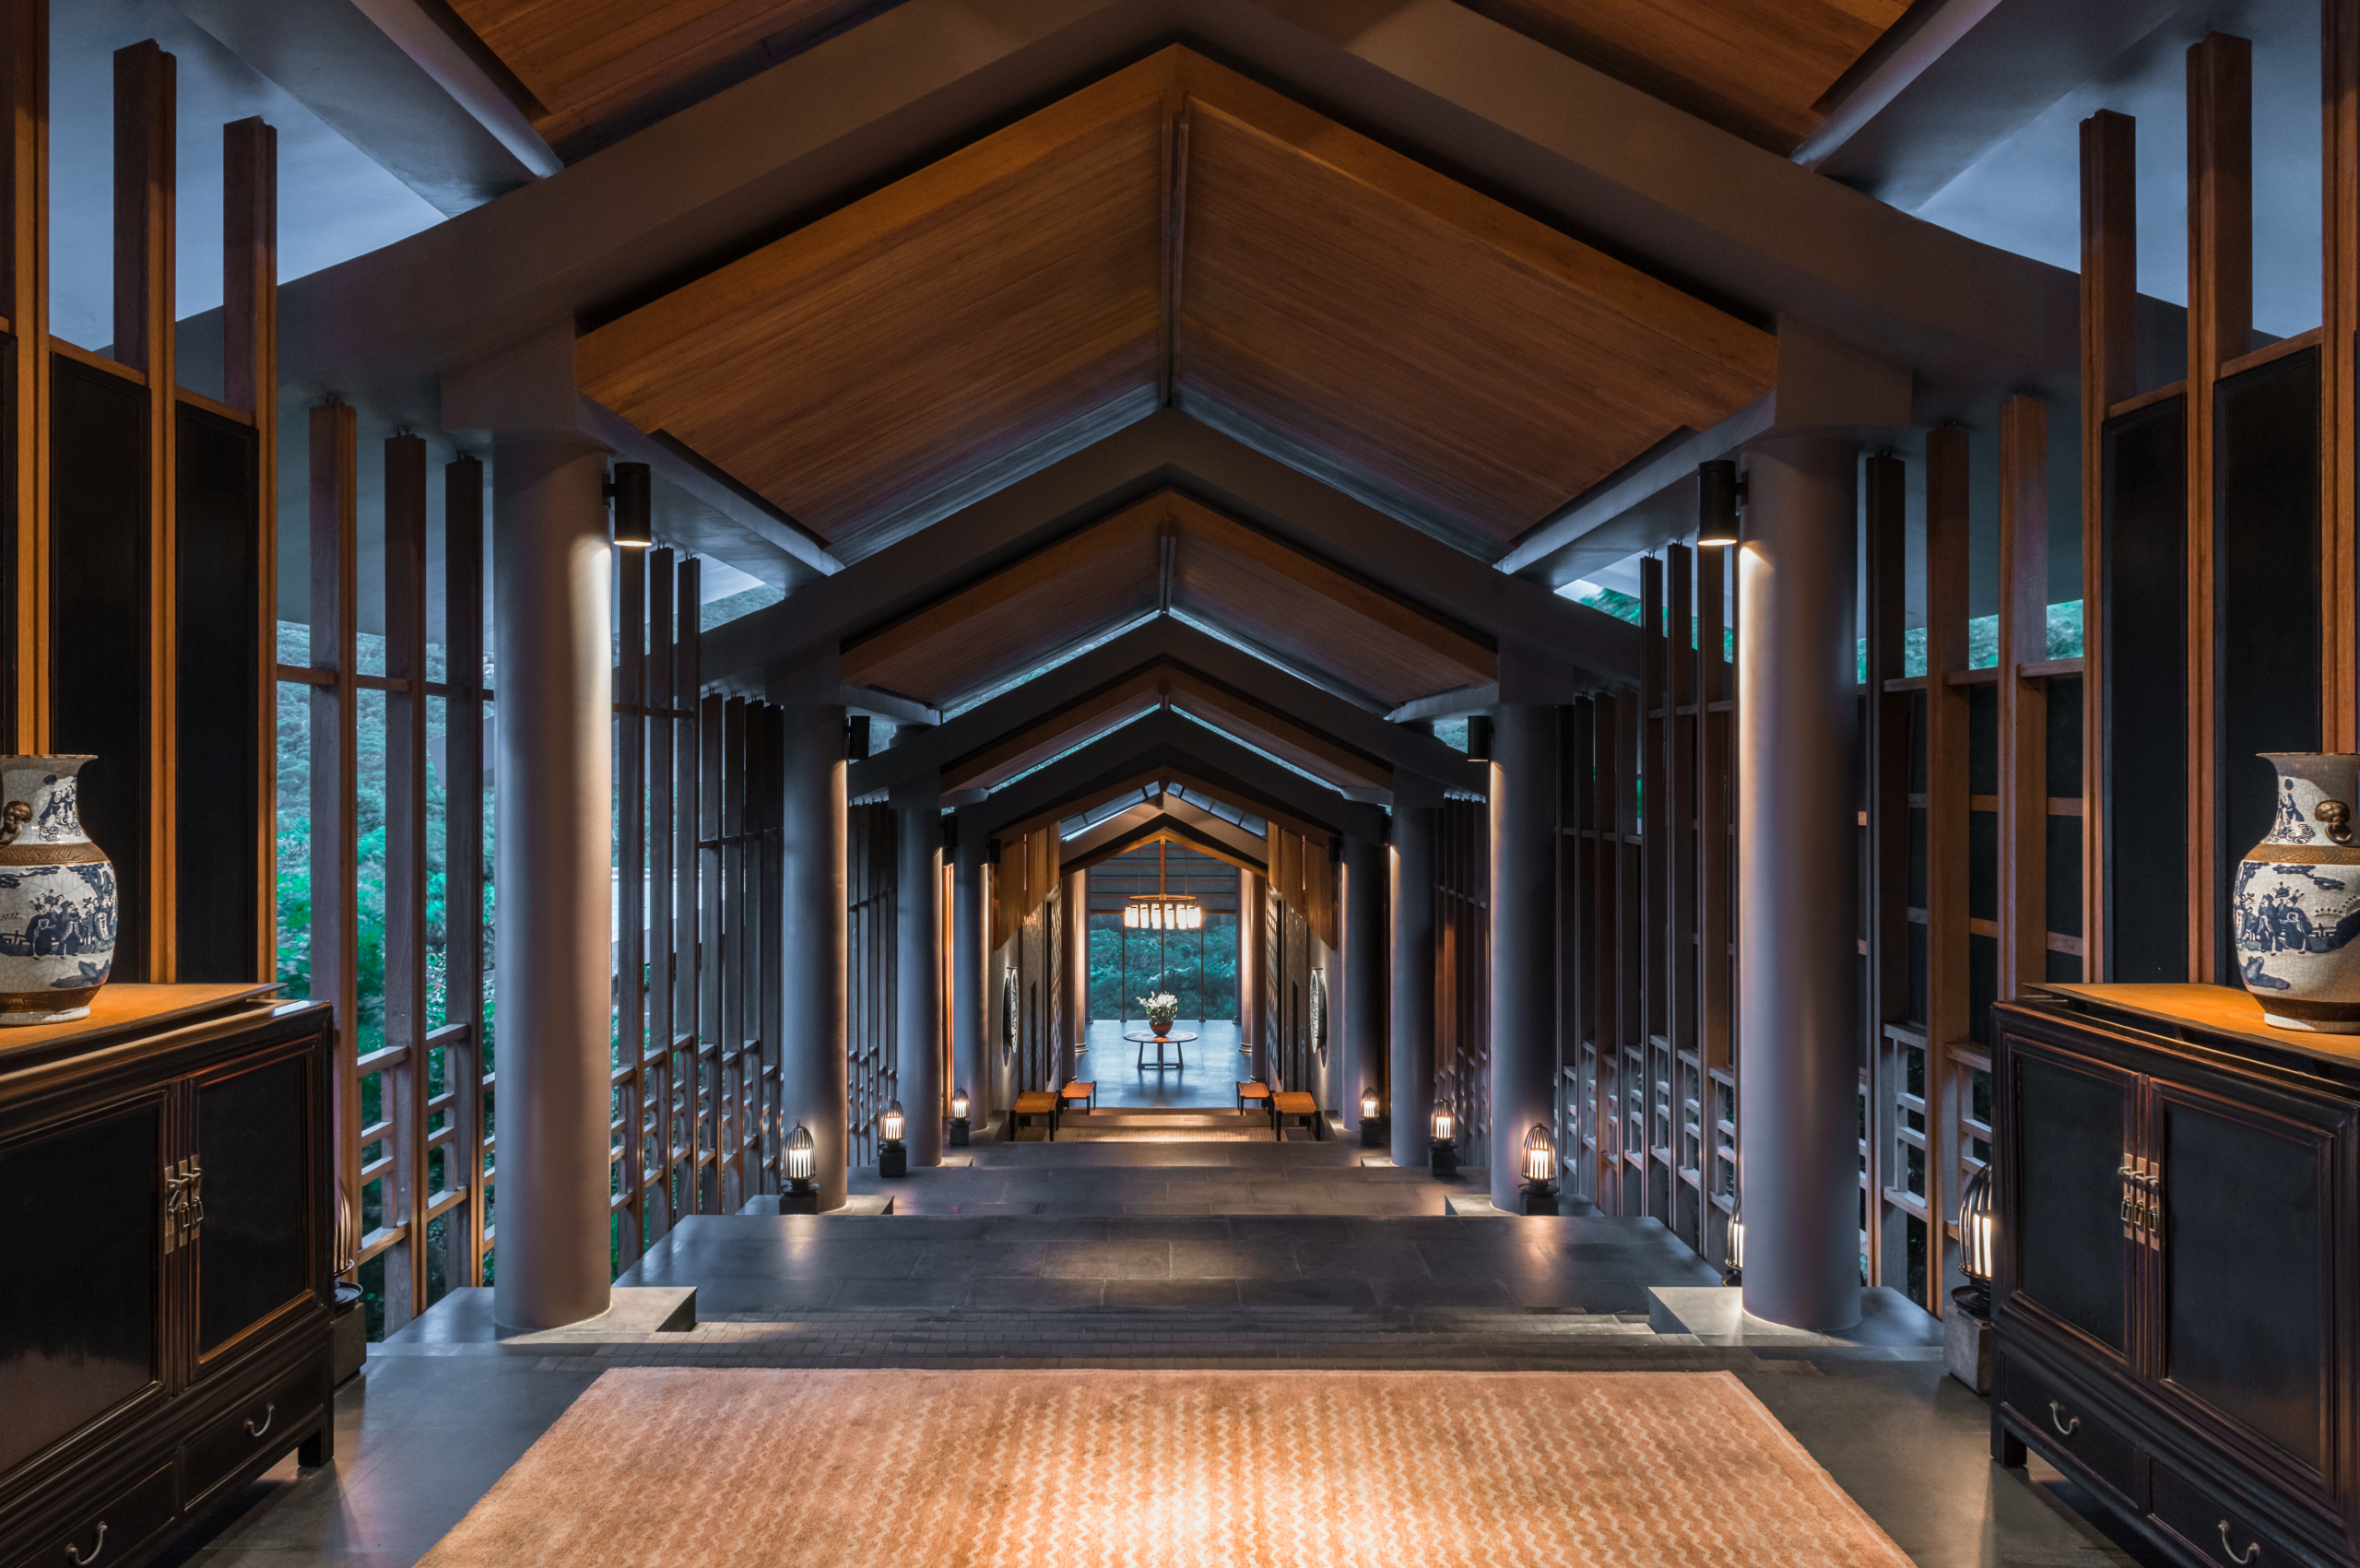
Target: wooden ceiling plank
[{"x": 1094, "y": 715}]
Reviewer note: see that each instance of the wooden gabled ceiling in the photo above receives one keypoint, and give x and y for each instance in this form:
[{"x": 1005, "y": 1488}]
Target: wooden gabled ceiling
[
  {"x": 1166, "y": 685},
  {"x": 1170, "y": 553},
  {"x": 1759, "y": 68},
  {"x": 1175, "y": 234}
]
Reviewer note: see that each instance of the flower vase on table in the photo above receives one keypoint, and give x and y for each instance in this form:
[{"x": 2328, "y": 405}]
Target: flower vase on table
[{"x": 1161, "y": 1009}]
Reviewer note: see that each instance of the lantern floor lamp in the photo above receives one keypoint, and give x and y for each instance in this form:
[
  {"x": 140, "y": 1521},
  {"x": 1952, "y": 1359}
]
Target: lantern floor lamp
[
  {"x": 893, "y": 1154},
  {"x": 1442, "y": 1147},
  {"x": 1377, "y": 1128},
  {"x": 802, "y": 1193},
  {"x": 1967, "y": 1332},
  {"x": 960, "y": 1129},
  {"x": 1538, "y": 1193}
]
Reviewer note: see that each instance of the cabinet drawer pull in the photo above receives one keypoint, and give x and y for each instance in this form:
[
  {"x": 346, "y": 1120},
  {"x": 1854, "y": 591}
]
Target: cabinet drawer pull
[
  {"x": 79, "y": 1560},
  {"x": 267, "y": 1412},
  {"x": 2064, "y": 1428},
  {"x": 2234, "y": 1554}
]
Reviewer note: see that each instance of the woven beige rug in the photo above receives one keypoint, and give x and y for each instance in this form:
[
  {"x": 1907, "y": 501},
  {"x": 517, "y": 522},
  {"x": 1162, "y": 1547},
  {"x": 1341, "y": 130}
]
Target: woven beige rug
[{"x": 696, "y": 1468}]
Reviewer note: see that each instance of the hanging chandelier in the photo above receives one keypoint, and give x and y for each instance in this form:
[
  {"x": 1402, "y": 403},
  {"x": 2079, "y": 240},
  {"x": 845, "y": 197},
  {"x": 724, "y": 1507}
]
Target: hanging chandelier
[{"x": 1160, "y": 910}]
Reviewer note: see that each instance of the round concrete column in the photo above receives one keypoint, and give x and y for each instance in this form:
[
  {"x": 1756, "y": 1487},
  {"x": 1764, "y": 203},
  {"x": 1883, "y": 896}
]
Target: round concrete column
[
  {"x": 917, "y": 980},
  {"x": 1524, "y": 936},
  {"x": 967, "y": 1000},
  {"x": 1797, "y": 845},
  {"x": 1413, "y": 969},
  {"x": 553, "y": 807},
  {"x": 1365, "y": 939},
  {"x": 812, "y": 1086}
]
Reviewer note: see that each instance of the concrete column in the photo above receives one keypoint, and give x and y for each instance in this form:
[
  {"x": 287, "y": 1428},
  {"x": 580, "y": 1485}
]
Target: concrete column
[
  {"x": 1524, "y": 935},
  {"x": 1798, "y": 957},
  {"x": 1412, "y": 1075},
  {"x": 969, "y": 1003},
  {"x": 1365, "y": 939},
  {"x": 813, "y": 920},
  {"x": 551, "y": 637},
  {"x": 917, "y": 977}
]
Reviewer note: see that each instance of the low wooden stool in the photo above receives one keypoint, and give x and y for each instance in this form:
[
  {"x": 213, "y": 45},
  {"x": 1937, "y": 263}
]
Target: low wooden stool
[
  {"x": 1259, "y": 1092},
  {"x": 1077, "y": 1091},
  {"x": 1294, "y": 1103},
  {"x": 1033, "y": 1102}
]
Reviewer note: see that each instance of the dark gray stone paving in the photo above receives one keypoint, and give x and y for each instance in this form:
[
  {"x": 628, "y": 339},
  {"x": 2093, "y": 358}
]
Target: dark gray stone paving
[{"x": 445, "y": 1409}]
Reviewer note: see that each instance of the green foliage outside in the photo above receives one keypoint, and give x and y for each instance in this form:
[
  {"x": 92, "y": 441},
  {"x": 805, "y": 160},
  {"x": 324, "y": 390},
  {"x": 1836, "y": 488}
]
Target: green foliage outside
[{"x": 1198, "y": 967}]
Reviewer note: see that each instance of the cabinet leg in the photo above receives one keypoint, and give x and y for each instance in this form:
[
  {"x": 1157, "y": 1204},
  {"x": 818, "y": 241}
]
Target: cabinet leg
[
  {"x": 2007, "y": 1448},
  {"x": 320, "y": 1447}
]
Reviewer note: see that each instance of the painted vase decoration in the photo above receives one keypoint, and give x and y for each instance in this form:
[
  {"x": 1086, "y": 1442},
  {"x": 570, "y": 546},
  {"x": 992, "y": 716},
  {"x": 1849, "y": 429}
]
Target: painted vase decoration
[
  {"x": 58, "y": 901},
  {"x": 2297, "y": 902}
]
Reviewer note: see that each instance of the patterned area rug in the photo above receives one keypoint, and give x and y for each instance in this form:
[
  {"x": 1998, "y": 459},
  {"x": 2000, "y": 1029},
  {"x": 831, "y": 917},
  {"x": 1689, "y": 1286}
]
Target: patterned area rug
[{"x": 707, "y": 1469}]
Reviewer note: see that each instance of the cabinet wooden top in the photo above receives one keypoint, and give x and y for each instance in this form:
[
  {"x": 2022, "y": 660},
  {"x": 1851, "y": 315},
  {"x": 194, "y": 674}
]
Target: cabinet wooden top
[
  {"x": 120, "y": 1010},
  {"x": 2229, "y": 1017}
]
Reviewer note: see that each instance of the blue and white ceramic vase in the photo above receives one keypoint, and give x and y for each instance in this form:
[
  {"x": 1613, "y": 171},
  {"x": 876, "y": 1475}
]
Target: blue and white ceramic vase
[
  {"x": 57, "y": 895},
  {"x": 2297, "y": 901}
]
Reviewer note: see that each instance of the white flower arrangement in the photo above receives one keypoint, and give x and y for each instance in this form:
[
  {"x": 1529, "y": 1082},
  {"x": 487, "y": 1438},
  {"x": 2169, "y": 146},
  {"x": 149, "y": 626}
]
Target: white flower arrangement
[{"x": 1163, "y": 1002}]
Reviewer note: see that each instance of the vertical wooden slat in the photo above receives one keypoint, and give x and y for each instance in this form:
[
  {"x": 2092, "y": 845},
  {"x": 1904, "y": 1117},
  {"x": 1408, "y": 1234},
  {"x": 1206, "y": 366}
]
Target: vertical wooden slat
[
  {"x": 1677, "y": 849},
  {"x": 2220, "y": 327},
  {"x": 2109, "y": 374},
  {"x": 664, "y": 951},
  {"x": 1715, "y": 802},
  {"x": 1947, "y": 1003},
  {"x": 24, "y": 78},
  {"x": 1886, "y": 871},
  {"x": 729, "y": 795},
  {"x": 631, "y": 727},
  {"x": 405, "y": 948},
  {"x": 143, "y": 253},
  {"x": 335, "y": 765},
  {"x": 462, "y": 842},
  {"x": 687, "y": 896},
  {"x": 712, "y": 1019},
  {"x": 249, "y": 381},
  {"x": 1630, "y": 959},
  {"x": 2339, "y": 374},
  {"x": 2023, "y": 703},
  {"x": 1655, "y": 819},
  {"x": 768, "y": 778}
]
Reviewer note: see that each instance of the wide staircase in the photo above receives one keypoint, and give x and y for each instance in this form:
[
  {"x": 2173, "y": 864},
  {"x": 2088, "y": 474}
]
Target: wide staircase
[{"x": 1164, "y": 1126}]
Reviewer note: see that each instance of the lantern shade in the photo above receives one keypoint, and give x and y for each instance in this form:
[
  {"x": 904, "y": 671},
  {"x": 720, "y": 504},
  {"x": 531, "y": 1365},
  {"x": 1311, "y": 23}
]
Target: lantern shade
[
  {"x": 1369, "y": 1105},
  {"x": 1445, "y": 1126},
  {"x": 959, "y": 1103},
  {"x": 1976, "y": 1235},
  {"x": 799, "y": 1155},
  {"x": 1539, "y": 1155},
  {"x": 891, "y": 1122}
]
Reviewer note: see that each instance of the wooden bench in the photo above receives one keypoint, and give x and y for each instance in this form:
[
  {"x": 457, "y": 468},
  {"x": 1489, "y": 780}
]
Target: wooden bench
[
  {"x": 1254, "y": 1090},
  {"x": 1033, "y": 1102},
  {"x": 1293, "y": 1103},
  {"x": 1078, "y": 1092}
]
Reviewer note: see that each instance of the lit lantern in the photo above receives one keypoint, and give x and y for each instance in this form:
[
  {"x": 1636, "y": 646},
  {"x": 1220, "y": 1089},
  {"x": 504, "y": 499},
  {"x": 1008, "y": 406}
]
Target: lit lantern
[
  {"x": 959, "y": 1128},
  {"x": 1977, "y": 1240},
  {"x": 802, "y": 1195},
  {"x": 1377, "y": 1128},
  {"x": 1441, "y": 1149},
  {"x": 1368, "y": 1103},
  {"x": 1540, "y": 1192},
  {"x": 893, "y": 1154},
  {"x": 1162, "y": 911}
]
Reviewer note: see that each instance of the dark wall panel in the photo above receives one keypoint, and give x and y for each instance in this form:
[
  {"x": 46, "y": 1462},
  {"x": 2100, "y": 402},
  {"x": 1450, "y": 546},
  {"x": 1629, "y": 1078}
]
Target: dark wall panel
[
  {"x": 2143, "y": 544},
  {"x": 2266, "y": 599},
  {"x": 98, "y": 648},
  {"x": 220, "y": 796}
]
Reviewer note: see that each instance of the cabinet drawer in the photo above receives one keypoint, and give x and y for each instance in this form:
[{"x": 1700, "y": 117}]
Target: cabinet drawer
[
  {"x": 259, "y": 1423},
  {"x": 2212, "y": 1529},
  {"x": 2065, "y": 1422},
  {"x": 110, "y": 1533}
]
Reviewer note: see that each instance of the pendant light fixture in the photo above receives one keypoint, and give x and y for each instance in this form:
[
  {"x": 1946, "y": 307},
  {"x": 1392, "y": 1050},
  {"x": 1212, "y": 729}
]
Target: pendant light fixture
[{"x": 1160, "y": 910}]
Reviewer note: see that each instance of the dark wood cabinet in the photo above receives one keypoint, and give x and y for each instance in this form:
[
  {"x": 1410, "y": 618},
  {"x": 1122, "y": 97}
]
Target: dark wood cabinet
[
  {"x": 2175, "y": 1305},
  {"x": 164, "y": 1317}
]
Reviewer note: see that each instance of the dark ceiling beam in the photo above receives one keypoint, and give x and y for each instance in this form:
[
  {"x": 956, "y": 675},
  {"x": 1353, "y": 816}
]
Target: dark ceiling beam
[
  {"x": 1158, "y": 642},
  {"x": 1242, "y": 777},
  {"x": 1583, "y": 647},
  {"x": 1972, "y": 75},
  {"x": 1144, "y": 823},
  {"x": 1601, "y": 159},
  {"x": 379, "y": 94}
]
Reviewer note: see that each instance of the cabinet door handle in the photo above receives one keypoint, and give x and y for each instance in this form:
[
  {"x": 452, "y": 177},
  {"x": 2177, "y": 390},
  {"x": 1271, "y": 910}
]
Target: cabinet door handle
[
  {"x": 2057, "y": 1418},
  {"x": 267, "y": 1412},
  {"x": 2234, "y": 1554},
  {"x": 96, "y": 1546}
]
